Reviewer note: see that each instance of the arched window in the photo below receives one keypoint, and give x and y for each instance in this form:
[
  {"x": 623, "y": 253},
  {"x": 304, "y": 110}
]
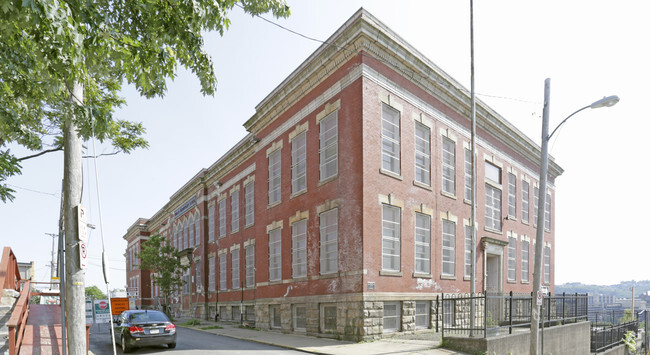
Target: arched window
[
  {"x": 186, "y": 233},
  {"x": 197, "y": 227},
  {"x": 191, "y": 232}
]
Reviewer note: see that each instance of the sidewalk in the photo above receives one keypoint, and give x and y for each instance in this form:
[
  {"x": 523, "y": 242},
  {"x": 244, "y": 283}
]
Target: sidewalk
[{"x": 315, "y": 345}]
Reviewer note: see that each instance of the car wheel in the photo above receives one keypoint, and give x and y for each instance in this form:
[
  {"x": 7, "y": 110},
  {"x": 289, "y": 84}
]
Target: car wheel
[
  {"x": 125, "y": 348},
  {"x": 171, "y": 345}
]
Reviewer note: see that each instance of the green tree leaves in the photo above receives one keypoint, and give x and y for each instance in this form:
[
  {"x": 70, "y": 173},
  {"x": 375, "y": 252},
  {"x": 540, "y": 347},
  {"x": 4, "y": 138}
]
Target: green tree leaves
[{"x": 48, "y": 45}]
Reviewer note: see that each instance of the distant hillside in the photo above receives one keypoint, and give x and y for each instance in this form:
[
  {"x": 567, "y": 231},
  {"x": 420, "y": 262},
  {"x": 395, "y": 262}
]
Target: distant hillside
[{"x": 621, "y": 290}]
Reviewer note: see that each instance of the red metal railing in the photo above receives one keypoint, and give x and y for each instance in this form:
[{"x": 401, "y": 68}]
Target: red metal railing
[
  {"x": 18, "y": 320},
  {"x": 9, "y": 273}
]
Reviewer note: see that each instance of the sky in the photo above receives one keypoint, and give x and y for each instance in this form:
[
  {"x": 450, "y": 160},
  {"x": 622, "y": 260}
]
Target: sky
[{"x": 589, "y": 49}]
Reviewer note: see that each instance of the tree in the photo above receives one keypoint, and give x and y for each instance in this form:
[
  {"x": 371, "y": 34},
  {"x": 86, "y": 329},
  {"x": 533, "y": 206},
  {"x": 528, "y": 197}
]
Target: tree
[
  {"x": 62, "y": 66},
  {"x": 164, "y": 263},
  {"x": 95, "y": 292}
]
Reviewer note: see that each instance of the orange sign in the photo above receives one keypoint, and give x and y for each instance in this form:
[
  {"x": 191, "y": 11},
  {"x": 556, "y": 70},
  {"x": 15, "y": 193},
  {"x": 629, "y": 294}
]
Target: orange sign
[{"x": 119, "y": 305}]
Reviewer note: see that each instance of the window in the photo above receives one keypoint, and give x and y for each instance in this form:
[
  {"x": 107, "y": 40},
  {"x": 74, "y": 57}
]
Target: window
[
  {"x": 391, "y": 238},
  {"x": 512, "y": 195},
  {"x": 547, "y": 265},
  {"x": 211, "y": 220},
  {"x": 328, "y": 318},
  {"x": 234, "y": 211},
  {"x": 448, "y": 166},
  {"x": 422, "y": 315},
  {"x": 492, "y": 172},
  {"x": 197, "y": 272},
  {"x": 275, "y": 255},
  {"x": 390, "y": 139},
  {"x": 236, "y": 313},
  {"x": 329, "y": 150},
  {"x": 235, "y": 269},
  {"x": 422, "y": 154},
  {"x": 223, "y": 313},
  {"x": 250, "y": 265},
  {"x": 492, "y": 207},
  {"x": 392, "y": 317},
  {"x": 512, "y": 259},
  {"x": 525, "y": 190},
  {"x": 249, "y": 203},
  {"x": 222, "y": 218},
  {"x": 535, "y": 204},
  {"x": 222, "y": 271},
  {"x": 468, "y": 174},
  {"x": 186, "y": 235},
  {"x": 300, "y": 317},
  {"x": 422, "y": 243},
  {"x": 525, "y": 252},
  {"x": 299, "y": 163},
  {"x": 197, "y": 229},
  {"x": 468, "y": 251},
  {"x": 299, "y": 248},
  {"x": 187, "y": 280},
  {"x": 448, "y": 248},
  {"x": 274, "y": 314},
  {"x": 274, "y": 177},
  {"x": 547, "y": 212},
  {"x": 211, "y": 276},
  {"x": 329, "y": 230},
  {"x": 249, "y": 313}
]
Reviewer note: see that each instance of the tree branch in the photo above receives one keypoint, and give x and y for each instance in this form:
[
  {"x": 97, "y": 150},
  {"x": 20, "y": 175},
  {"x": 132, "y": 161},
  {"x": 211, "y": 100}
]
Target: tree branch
[{"x": 41, "y": 153}]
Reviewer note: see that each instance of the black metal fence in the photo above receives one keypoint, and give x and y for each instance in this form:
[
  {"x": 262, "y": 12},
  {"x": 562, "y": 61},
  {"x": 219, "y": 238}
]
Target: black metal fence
[
  {"x": 609, "y": 327},
  {"x": 496, "y": 312}
]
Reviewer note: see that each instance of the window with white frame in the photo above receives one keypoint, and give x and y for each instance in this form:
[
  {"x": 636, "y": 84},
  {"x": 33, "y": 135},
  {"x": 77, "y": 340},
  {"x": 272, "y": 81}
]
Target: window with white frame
[
  {"x": 329, "y": 149},
  {"x": 448, "y": 166},
  {"x": 299, "y": 317},
  {"x": 448, "y": 248},
  {"x": 422, "y": 154},
  {"x": 234, "y": 211},
  {"x": 547, "y": 212},
  {"x": 525, "y": 256},
  {"x": 250, "y": 265},
  {"x": 223, "y": 278},
  {"x": 234, "y": 268},
  {"x": 222, "y": 218},
  {"x": 422, "y": 243},
  {"x": 328, "y": 317},
  {"x": 187, "y": 280},
  {"x": 211, "y": 220},
  {"x": 391, "y": 238},
  {"x": 468, "y": 251},
  {"x": 535, "y": 204},
  {"x": 492, "y": 207},
  {"x": 299, "y": 163},
  {"x": 190, "y": 232},
  {"x": 275, "y": 255},
  {"x": 547, "y": 265},
  {"x": 329, "y": 231},
  {"x": 197, "y": 272},
  {"x": 468, "y": 174},
  {"x": 390, "y": 139},
  {"x": 197, "y": 229},
  {"x": 392, "y": 317},
  {"x": 186, "y": 235},
  {"x": 249, "y": 203},
  {"x": 512, "y": 195},
  {"x": 275, "y": 177},
  {"x": 512, "y": 258},
  {"x": 299, "y": 248},
  {"x": 422, "y": 314},
  {"x": 211, "y": 276},
  {"x": 525, "y": 200}
]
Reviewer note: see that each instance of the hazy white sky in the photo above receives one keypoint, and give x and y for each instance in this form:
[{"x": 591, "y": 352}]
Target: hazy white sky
[{"x": 589, "y": 49}]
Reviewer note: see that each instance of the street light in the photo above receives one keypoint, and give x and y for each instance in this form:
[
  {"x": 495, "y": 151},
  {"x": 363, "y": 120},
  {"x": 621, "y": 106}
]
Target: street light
[{"x": 541, "y": 204}]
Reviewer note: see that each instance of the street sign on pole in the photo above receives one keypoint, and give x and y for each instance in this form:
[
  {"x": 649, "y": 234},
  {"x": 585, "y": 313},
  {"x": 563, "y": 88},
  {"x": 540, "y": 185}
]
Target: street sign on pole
[
  {"x": 83, "y": 256},
  {"x": 102, "y": 312},
  {"x": 82, "y": 225},
  {"x": 540, "y": 297}
]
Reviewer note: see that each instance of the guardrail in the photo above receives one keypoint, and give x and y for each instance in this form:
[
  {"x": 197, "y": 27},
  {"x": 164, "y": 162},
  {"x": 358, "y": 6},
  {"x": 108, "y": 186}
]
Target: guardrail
[
  {"x": 9, "y": 272},
  {"x": 18, "y": 320}
]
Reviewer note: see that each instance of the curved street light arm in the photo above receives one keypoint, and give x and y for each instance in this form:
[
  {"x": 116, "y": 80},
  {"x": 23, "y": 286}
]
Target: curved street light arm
[{"x": 548, "y": 138}]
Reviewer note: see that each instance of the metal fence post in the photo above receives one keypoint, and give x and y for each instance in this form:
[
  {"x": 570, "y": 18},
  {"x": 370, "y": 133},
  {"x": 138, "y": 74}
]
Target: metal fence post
[{"x": 510, "y": 315}]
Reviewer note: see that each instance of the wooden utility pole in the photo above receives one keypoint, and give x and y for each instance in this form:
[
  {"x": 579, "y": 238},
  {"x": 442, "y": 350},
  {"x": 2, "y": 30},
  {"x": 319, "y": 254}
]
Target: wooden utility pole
[{"x": 75, "y": 283}]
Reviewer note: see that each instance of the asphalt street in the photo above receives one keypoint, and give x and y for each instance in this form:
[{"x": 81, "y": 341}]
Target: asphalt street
[{"x": 189, "y": 341}]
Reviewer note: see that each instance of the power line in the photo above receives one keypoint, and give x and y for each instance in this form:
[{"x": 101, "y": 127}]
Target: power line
[{"x": 56, "y": 195}]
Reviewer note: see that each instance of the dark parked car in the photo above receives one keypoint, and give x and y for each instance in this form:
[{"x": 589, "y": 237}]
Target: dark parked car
[{"x": 137, "y": 328}]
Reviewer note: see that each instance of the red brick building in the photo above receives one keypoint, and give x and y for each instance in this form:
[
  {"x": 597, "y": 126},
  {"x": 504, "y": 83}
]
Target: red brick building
[{"x": 346, "y": 209}]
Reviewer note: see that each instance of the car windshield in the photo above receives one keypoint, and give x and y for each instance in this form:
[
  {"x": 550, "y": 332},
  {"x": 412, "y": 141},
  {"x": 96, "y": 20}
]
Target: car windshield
[{"x": 147, "y": 317}]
